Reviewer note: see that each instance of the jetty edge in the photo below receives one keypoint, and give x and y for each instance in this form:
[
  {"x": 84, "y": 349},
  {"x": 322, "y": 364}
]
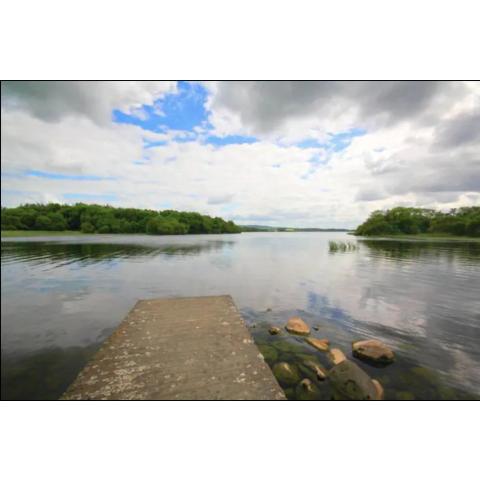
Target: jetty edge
[{"x": 189, "y": 348}]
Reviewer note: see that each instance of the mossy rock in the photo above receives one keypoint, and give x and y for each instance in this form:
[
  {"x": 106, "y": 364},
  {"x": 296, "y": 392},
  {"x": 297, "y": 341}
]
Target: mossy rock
[
  {"x": 286, "y": 346},
  {"x": 315, "y": 370},
  {"x": 306, "y": 391},
  {"x": 349, "y": 380},
  {"x": 426, "y": 374},
  {"x": 289, "y": 393},
  {"x": 286, "y": 373},
  {"x": 306, "y": 372},
  {"x": 405, "y": 396},
  {"x": 269, "y": 353},
  {"x": 384, "y": 380},
  {"x": 305, "y": 357},
  {"x": 447, "y": 393}
]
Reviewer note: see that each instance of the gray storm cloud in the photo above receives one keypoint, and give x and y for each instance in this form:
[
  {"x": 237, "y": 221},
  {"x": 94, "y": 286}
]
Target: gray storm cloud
[
  {"x": 265, "y": 106},
  {"x": 54, "y": 100}
]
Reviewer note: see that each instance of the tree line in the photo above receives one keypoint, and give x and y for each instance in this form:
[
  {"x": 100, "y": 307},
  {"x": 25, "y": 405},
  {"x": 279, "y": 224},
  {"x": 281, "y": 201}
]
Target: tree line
[
  {"x": 107, "y": 219},
  {"x": 464, "y": 221}
]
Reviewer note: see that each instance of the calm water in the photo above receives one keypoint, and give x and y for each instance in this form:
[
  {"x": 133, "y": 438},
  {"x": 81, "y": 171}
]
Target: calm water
[{"x": 62, "y": 296}]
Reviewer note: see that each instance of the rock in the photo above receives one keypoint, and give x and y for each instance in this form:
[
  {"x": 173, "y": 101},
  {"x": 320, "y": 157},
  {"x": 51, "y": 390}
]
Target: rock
[
  {"x": 303, "y": 357},
  {"x": 269, "y": 353},
  {"x": 337, "y": 356},
  {"x": 352, "y": 382},
  {"x": 306, "y": 384},
  {"x": 379, "y": 389},
  {"x": 297, "y": 326},
  {"x": 319, "y": 344},
  {"x": 274, "y": 330},
  {"x": 372, "y": 350},
  {"x": 316, "y": 369},
  {"x": 289, "y": 393},
  {"x": 268, "y": 310},
  {"x": 316, "y": 328},
  {"x": 286, "y": 374},
  {"x": 287, "y": 346},
  {"x": 306, "y": 390},
  {"x": 405, "y": 396}
]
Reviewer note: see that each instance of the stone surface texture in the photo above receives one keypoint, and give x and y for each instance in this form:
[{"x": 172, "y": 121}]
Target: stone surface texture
[{"x": 195, "y": 348}]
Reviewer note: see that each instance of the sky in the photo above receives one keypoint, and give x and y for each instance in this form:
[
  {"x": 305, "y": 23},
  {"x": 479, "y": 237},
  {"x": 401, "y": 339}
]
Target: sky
[{"x": 300, "y": 154}]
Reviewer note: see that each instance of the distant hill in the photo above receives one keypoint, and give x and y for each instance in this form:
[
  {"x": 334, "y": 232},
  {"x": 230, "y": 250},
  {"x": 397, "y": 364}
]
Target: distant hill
[{"x": 265, "y": 228}]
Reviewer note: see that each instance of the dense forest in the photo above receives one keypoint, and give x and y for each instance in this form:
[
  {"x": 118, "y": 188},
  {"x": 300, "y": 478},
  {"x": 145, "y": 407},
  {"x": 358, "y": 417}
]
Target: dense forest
[
  {"x": 107, "y": 219},
  {"x": 411, "y": 221}
]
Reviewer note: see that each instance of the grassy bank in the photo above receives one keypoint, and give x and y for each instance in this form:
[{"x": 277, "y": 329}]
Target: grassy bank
[
  {"x": 38, "y": 233},
  {"x": 425, "y": 236}
]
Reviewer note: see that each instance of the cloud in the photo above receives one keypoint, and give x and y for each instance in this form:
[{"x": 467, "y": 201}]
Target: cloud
[
  {"x": 312, "y": 109},
  {"x": 220, "y": 199},
  {"x": 460, "y": 130},
  {"x": 372, "y": 146},
  {"x": 55, "y": 100}
]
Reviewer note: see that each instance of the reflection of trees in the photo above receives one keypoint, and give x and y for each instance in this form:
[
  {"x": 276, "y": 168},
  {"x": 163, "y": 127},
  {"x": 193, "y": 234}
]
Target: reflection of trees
[
  {"x": 89, "y": 253},
  {"x": 393, "y": 249}
]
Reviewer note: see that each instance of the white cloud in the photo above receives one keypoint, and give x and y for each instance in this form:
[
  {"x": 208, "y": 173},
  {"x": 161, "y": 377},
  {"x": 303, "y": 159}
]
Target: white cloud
[{"x": 411, "y": 155}]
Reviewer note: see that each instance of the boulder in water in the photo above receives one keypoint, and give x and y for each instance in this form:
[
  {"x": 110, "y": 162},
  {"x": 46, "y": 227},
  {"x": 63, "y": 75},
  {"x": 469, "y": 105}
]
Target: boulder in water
[
  {"x": 319, "y": 344},
  {"x": 337, "y": 356},
  {"x": 274, "y": 330},
  {"x": 373, "y": 351},
  {"x": 297, "y": 326},
  {"x": 316, "y": 369},
  {"x": 286, "y": 374},
  {"x": 379, "y": 389},
  {"x": 306, "y": 390},
  {"x": 352, "y": 382}
]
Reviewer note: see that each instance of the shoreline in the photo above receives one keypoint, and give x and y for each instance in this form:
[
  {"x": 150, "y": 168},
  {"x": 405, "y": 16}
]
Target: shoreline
[{"x": 420, "y": 236}]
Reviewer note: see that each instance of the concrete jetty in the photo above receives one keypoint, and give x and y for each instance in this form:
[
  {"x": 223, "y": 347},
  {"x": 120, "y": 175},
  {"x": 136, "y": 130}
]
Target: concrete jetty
[{"x": 195, "y": 348}]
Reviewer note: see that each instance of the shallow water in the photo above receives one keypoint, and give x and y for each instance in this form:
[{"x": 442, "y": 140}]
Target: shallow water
[{"x": 62, "y": 296}]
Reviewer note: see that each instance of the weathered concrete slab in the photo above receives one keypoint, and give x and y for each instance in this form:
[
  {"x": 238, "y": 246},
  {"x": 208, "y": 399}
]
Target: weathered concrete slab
[{"x": 195, "y": 348}]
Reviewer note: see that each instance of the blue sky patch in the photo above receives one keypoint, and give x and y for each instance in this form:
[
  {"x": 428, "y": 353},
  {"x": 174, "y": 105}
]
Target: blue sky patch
[
  {"x": 310, "y": 143},
  {"x": 229, "y": 140},
  {"x": 63, "y": 176},
  {"x": 336, "y": 141},
  {"x": 150, "y": 143},
  {"x": 340, "y": 141},
  {"x": 182, "y": 110}
]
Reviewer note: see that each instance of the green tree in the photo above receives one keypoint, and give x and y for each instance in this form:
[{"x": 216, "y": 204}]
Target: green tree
[
  {"x": 87, "y": 227},
  {"x": 43, "y": 222}
]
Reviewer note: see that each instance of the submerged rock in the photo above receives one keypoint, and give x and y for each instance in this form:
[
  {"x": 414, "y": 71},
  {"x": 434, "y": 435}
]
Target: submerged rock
[
  {"x": 287, "y": 346},
  {"x": 319, "y": 344},
  {"x": 306, "y": 384},
  {"x": 274, "y": 330},
  {"x": 316, "y": 369},
  {"x": 373, "y": 351},
  {"x": 337, "y": 356},
  {"x": 286, "y": 374},
  {"x": 405, "y": 396},
  {"x": 269, "y": 353},
  {"x": 352, "y": 382},
  {"x": 306, "y": 390},
  {"x": 303, "y": 357},
  {"x": 379, "y": 389},
  {"x": 297, "y": 326}
]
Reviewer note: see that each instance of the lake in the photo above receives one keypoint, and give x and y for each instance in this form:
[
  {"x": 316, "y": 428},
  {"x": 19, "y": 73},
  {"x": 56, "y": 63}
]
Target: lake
[{"x": 62, "y": 296}]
